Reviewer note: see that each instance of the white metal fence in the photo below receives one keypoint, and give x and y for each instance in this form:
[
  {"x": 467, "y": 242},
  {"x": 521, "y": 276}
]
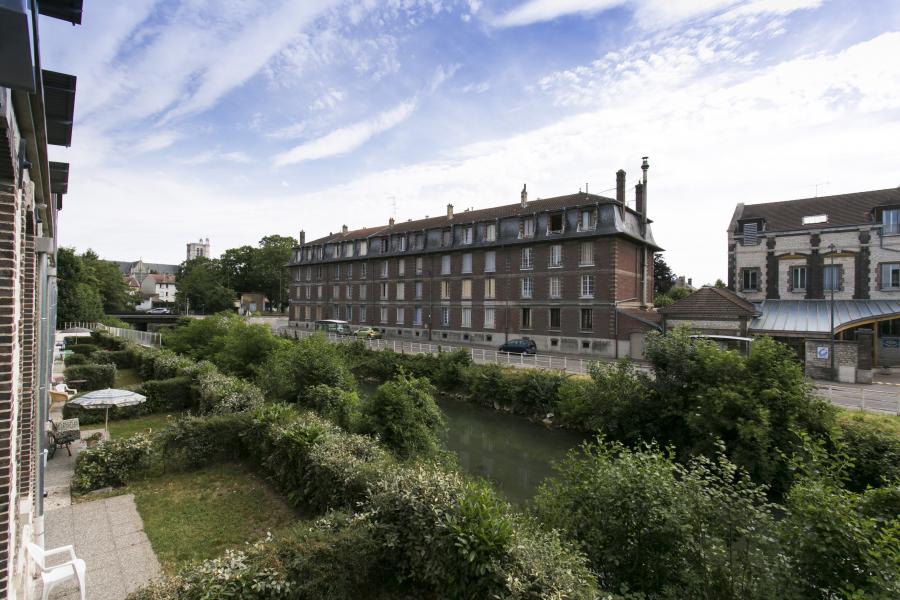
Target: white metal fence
[
  {"x": 144, "y": 338},
  {"x": 863, "y": 398}
]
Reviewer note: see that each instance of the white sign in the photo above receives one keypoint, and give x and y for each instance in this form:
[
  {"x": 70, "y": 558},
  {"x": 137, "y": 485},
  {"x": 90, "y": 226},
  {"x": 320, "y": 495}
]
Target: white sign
[{"x": 822, "y": 352}]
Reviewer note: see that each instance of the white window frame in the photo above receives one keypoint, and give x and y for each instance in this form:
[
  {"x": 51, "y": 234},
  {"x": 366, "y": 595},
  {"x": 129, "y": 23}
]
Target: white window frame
[
  {"x": 586, "y": 254},
  {"x": 527, "y": 287},
  {"x": 556, "y": 256},
  {"x": 527, "y": 260},
  {"x": 468, "y": 236},
  {"x": 490, "y": 266},
  {"x": 466, "y": 293},
  {"x": 445, "y": 316},
  {"x": 401, "y": 290},
  {"x": 466, "y": 317},
  {"x": 555, "y": 284},
  {"x": 446, "y": 264},
  {"x": 490, "y": 288},
  {"x": 467, "y": 262},
  {"x": 489, "y": 317},
  {"x": 587, "y": 286},
  {"x": 490, "y": 232},
  {"x": 888, "y": 269}
]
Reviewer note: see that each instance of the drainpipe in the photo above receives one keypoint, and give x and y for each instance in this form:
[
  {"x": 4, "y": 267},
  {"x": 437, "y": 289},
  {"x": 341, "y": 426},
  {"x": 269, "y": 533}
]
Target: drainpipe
[{"x": 45, "y": 344}]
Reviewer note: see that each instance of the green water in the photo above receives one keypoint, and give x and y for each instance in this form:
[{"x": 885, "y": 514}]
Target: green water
[{"x": 512, "y": 452}]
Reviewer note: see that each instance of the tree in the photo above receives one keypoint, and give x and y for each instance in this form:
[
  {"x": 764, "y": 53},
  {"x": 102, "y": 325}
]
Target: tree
[
  {"x": 200, "y": 284},
  {"x": 261, "y": 269},
  {"x": 663, "y": 277},
  {"x": 720, "y": 284},
  {"x": 110, "y": 283},
  {"x": 293, "y": 367},
  {"x": 78, "y": 292}
]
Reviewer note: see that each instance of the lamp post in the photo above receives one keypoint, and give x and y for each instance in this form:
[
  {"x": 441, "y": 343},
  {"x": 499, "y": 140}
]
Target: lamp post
[{"x": 832, "y": 249}]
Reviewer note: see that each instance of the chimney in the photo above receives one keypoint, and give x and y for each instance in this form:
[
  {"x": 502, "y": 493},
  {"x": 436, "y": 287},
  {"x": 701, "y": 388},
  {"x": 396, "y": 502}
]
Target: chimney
[
  {"x": 639, "y": 198},
  {"x": 343, "y": 229},
  {"x": 690, "y": 282},
  {"x": 449, "y": 211},
  {"x": 524, "y": 195},
  {"x": 302, "y": 237},
  {"x": 391, "y": 221},
  {"x": 643, "y": 209},
  {"x": 620, "y": 187}
]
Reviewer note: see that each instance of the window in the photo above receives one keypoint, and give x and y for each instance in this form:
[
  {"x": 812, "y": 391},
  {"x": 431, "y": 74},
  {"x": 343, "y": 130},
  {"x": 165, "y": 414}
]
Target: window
[
  {"x": 401, "y": 291},
  {"x": 445, "y": 264},
  {"x": 350, "y": 271},
  {"x": 319, "y": 273},
  {"x": 362, "y": 314},
  {"x": 348, "y": 249},
  {"x": 349, "y": 291},
  {"x": 798, "y": 279},
  {"x": 403, "y": 243},
  {"x": 587, "y": 220},
  {"x": 527, "y": 258},
  {"x": 363, "y": 270},
  {"x": 401, "y": 267},
  {"x": 890, "y": 276},
  {"x": 466, "y": 316},
  {"x": 362, "y": 291},
  {"x": 417, "y": 315},
  {"x": 555, "y": 287},
  {"x": 467, "y": 235},
  {"x": 467, "y": 263},
  {"x": 466, "y": 289},
  {"x": 308, "y": 292},
  {"x": 384, "y": 291},
  {"x": 587, "y": 319},
  {"x": 751, "y": 234},
  {"x": 399, "y": 316},
  {"x": 337, "y": 271},
  {"x": 555, "y": 223},
  {"x": 489, "y": 318},
  {"x": 363, "y": 248},
  {"x": 419, "y": 264},
  {"x": 446, "y": 237},
  {"x": 587, "y": 286},
  {"x": 526, "y": 228},
  {"x": 890, "y": 219},
  {"x": 554, "y": 318},
  {"x": 384, "y": 314},
  {"x": 814, "y": 219},
  {"x": 335, "y": 292},
  {"x": 445, "y": 316},
  {"x": 526, "y": 318},
  {"x": 832, "y": 278},
  {"x": 319, "y": 291},
  {"x": 384, "y": 268},
  {"x": 527, "y": 287},
  {"x": 490, "y": 232},
  {"x": 587, "y": 254},
  {"x": 490, "y": 261},
  {"x": 309, "y": 273},
  {"x": 349, "y": 311},
  {"x": 489, "y": 288},
  {"x": 750, "y": 280},
  {"x": 383, "y": 243},
  {"x": 445, "y": 290},
  {"x": 419, "y": 241},
  {"x": 418, "y": 289},
  {"x": 556, "y": 255}
]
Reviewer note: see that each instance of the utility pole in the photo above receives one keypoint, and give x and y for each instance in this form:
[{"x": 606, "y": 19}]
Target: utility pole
[{"x": 832, "y": 282}]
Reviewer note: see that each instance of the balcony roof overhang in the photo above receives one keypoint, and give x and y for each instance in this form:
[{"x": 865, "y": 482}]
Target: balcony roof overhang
[
  {"x": 59, "y": 106},
  {"x": 64, "y": 10}
]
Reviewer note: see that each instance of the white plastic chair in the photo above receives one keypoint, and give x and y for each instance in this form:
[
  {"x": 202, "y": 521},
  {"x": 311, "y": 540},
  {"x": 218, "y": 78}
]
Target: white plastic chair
[{"x": 74, "y": 567}]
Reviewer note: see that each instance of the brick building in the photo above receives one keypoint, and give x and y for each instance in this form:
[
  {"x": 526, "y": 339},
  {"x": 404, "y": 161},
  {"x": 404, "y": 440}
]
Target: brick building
[
  {"x": 572, "y": 273},
  {"x": 791, "y": 258},
  {"x": 36, "y": 109}
]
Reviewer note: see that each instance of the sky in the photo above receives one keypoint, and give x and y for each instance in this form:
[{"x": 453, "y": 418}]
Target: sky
[{"x": 236, "y": 119}]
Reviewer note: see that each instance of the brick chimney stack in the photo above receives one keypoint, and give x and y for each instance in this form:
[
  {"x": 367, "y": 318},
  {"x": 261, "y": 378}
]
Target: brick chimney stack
[
  {"x": 639, "y": 198},
  {"x": 449, "y": 211},
  {"x": 391, "y": 221},
  {"x": 524, "y": 195},
  {"x": 343, "y": 229},
  {"x": 643, "y": 210},
  {"x": 302, "y": 237},
  {"x": 620, "y": 187}
]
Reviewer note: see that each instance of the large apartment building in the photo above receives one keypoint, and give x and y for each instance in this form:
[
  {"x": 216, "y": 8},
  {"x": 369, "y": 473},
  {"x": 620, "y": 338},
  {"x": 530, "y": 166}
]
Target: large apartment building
[
  {"x": 36, "y": 110},
  {"x": 572, "y": 273},
  {"x": 792, "y": 258}
]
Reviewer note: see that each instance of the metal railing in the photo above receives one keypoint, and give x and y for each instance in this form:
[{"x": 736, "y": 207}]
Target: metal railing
[
  {"x": 863, "y": 398},
  {"x": 144, "y": 338}
]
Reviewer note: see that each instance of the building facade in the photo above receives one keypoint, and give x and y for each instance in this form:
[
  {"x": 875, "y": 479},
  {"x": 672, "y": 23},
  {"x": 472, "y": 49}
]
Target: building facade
[
  {"x": 36, "y": 110},
  {"x": 198, "y": 249},
  {"x": 792, "y": 258},
  {"x": 573, "y": 273}
]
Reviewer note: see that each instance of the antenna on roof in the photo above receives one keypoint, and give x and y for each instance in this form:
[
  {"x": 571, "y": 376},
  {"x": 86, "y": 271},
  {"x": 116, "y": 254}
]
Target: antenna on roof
[
  {"x": 586, "y": 188},
  {"x": 816, "y": 185},
  {"x": 393, "y": 200}
]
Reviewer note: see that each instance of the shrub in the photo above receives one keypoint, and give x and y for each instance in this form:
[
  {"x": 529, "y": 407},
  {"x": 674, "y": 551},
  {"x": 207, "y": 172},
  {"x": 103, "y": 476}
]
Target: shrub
[
  {"x": 616, "y": 400},
  {"x": 245, "y": 346},
  {"x": 222, "y": 394},
  {"x": 75, "y": 359},
  {"x": 652, "y": 526},
  {"x": 163, "y": 364},
  {"x": 199, "y": 338},
  {"x": 83, "y": 349},
  {"x": 112, "y": 463},
  {"x": 294, "y": 366},
  {"x": 173, "y": 394},
  {"x": 106, "y": 341},
  {"x": 875, "y": 454},
  {"x": 489, "y": 385},
  {"x": 450, "y": 368},
  {"x": 404, "y": 415},
  {"x": 338, "y": 406},
  {"x": 91, "y": 416},
  {"x": 96, "y": 377},
  {"x": 123, "y": 359},
  {"x": 536, "y": 391},
  {"x": 194, "y": 442}
]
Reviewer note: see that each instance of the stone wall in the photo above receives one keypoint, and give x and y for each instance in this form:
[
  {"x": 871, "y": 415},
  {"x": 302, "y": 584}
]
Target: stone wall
[{"x": 818, "y": 360}]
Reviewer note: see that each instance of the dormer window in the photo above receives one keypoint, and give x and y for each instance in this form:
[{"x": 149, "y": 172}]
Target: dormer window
[
  {"x": 890, "y": 219},
  {"x": 555, "y": 223},
  {"x": 750, "y": 231},
  {"x": 815, "y": 219},
  {"x": 526, "y": 227},
  {"x": 446, "y": 237},
  {"x": 467, "y": 235},
  {"x": 384, "y": 245},
  {"x": 363, "y": 247},
  {"x": 587, "y": 220}
]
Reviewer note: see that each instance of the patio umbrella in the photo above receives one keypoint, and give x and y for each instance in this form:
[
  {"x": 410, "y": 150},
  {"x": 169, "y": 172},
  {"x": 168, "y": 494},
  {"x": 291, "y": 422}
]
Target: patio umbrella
[{"x": 107, "y": 399}]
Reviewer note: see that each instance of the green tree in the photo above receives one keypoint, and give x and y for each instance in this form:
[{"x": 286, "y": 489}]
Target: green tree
[
  {"x": 261, "y": 269},
  {"x": 720, "y": 284},
  {"x": 200, "y": 284},
  {"x": 111, "y": 284},
  {"x": 293, "y": 367},
  {"x": 663, "y": 277},
  {"x": 78, "y": 296},
  {"x": 405, "y": 417}
]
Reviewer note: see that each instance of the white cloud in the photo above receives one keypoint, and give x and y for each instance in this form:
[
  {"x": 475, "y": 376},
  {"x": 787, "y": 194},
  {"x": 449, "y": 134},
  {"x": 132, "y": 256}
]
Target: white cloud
[
  {"x": 157, "y": 141},
  {"x": 234, "y": 156},
  {"x": 289, "y": 132},
  {"x": 349, "y": 138}
]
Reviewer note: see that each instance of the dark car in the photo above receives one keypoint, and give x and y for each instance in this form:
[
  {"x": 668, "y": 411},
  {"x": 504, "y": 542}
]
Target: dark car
[{"x": 519, "y": 347}]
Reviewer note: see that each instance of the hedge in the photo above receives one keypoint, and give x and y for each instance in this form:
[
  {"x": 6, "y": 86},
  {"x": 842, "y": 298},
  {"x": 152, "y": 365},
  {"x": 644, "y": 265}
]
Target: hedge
[
  {"x": 106, "y": 341},
  {"x": 84, "y": 349},
  {"x": 75, "y": 359},
  {"x": 96, "y": 377},
  {"x": 112, "y": 463},
  {"x": 874, "y": 453}
]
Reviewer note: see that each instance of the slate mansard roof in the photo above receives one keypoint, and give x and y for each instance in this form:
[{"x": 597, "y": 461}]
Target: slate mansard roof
[{"x": 843, "y": 210}]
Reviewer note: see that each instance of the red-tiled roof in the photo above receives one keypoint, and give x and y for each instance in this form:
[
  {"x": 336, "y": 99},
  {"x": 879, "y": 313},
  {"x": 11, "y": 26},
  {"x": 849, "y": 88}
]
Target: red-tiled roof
[
  {"x": 710, "y": 302},
  {"x": 844, "y": 209}
]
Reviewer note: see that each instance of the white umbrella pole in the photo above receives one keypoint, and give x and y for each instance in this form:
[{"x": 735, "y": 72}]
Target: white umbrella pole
[{"x": 106, "y": 426}]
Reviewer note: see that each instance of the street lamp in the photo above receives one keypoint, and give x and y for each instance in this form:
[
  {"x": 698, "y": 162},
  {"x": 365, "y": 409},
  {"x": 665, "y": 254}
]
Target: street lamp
[{"x": 832, "y": 248}]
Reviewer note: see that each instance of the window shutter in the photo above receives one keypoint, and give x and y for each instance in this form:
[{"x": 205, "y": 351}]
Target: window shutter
[{"x": 750, "y": 233}]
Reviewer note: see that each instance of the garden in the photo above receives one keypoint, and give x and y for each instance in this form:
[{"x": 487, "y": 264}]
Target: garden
[{"x": 721, "y": 476}]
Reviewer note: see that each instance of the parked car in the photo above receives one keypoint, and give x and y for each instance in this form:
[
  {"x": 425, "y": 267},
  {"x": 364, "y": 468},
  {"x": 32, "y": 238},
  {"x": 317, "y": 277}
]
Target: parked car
[
  {"x": 522, "y": 346},
  {"x": 159, "y": 310},
  {"x": 368, "y": 333}
]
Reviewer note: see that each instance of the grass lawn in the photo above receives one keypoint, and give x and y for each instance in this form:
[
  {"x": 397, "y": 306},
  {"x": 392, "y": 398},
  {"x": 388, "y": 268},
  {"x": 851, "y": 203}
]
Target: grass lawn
[
  {"x": 127, "y": 427},
  {"x": 125, "y": 377},
  {"x": 197, "y": 515},
  {"x": 886, "y": 423}
]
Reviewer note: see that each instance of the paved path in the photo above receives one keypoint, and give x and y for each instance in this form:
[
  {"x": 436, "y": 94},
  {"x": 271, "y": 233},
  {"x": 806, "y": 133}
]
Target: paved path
[{"x": 109, "y": 535}]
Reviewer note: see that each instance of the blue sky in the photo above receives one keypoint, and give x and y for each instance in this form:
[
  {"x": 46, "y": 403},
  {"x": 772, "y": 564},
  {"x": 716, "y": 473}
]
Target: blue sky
[{"x": 235, "y": 119}]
